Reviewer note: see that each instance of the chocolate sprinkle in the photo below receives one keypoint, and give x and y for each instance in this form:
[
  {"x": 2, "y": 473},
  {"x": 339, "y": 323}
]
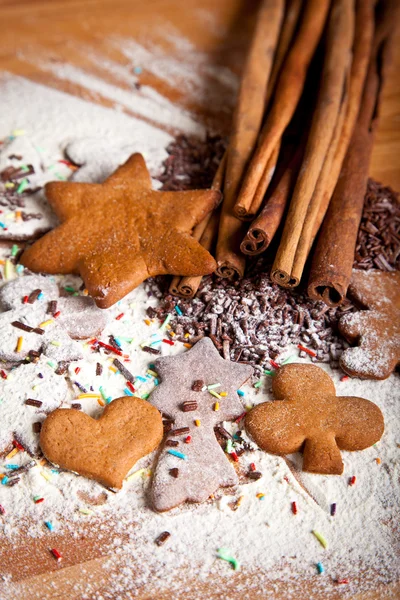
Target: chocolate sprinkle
[
  {"x": 22, "y": 326},
  {"x": 52, "y": 308},
  {"x": 76, "y": 405},
  {"x": 33, "y": 296},
  {"x": 151, "y": 350},
  {"x": 172, "y": 443},
  {"x": 198, "y": 385},
  {"x": 189, "y": 406},
  {"x": 179, "y": 431},
  {"x": 99, "y": 369},
  {"x": 174, "y": 472},
  {"x": 123, "y": 370},
  {"x": 254, "y": 475},
  {"x": 32, "y": 402},
  {"x": 36, "y": 427},
  {"x": 162, "y": 538}
]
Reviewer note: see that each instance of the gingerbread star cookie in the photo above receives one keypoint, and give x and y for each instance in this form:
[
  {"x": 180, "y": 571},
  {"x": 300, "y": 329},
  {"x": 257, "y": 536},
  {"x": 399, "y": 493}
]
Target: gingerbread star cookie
[
  {"x": 104, "y": 449},
  {"x": 198, "y": 390},
  {"x": 119, "y": 233},
  {"x": 307, "y": 415},
  {"x": 375, "y": 331}
]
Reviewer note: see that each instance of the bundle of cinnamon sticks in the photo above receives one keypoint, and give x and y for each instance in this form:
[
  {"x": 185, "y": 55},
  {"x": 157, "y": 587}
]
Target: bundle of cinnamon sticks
[{"x": 329, "y": 55}]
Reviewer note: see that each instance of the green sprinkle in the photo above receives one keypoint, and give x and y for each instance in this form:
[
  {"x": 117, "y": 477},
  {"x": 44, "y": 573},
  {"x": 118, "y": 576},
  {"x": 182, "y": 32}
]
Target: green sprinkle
[
  {"x": 258, "y": 384},
  {"x": 69, "y": 288},
  {"x": 229, "y": 447},
  {"x": 152, "y": 373},
  {"x": 167, "y": 320},
  {"x": 54, "y": 343},
  {"x": 145, "y": 396},
  {"x": 52, "y": 364},
  {"x": 103, "y": 394},
  {"x": 14, "y": 250},
  {"x": 22, "y": 186},
  {"x": 270, "y": 373},
  {"x": 320, "y": 538},
  {"x": 215, "y": 394},
  {"x": 213, "y": 386},
  {"x": 289, "y": 359},
  {"x": 85, "y": 511},
  {"x": 224, "y": 554}
]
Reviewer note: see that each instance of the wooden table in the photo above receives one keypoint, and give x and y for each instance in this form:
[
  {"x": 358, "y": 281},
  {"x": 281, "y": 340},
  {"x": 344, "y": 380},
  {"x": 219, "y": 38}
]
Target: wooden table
[{"x": 70, "y": 31}]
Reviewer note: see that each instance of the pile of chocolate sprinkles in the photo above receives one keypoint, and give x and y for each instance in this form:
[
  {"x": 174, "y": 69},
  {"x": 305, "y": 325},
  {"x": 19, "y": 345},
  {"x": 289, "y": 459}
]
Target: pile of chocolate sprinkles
[
  {"x": 254, "y": 320},
  {"x": 378, "y": 244}
]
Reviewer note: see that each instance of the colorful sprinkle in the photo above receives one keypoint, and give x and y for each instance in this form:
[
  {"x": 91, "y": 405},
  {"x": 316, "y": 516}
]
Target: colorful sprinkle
[
  {"x": 333, "y": 509},
  {"x": 88, "y": 395},
  {"x": 320, "y": 568},
  {"x": 20, "y": 343},
  {"x": 306, "y": 350},
  {"x": 56, "y": 554},
  {"x": 178, "y": 454},
  {"x": 118, "y": 317},
  {"x": 240, "y": 393},
  {"x": 49, "y": 525},
  {"x": 46, "y": 323},
  {"x": 215, "y": 394},
  {"x": 12, "y": 453},
  {"x": 38, "y": 499},
  {"x": 352, "y": 480},
  {"x": 178, "y": 311},
  {"x": 294, "y": 508},
  {"x": 197, "y": 422},
  {"x": 260, "y": 496},
  {"x": 224, "y": 554},
  {"x": 216, "y": 406},
  {"x": 320, "y": 538}
]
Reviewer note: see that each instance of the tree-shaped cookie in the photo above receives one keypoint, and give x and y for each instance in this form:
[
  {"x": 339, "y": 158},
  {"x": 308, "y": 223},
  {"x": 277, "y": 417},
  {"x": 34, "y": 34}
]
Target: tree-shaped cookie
[
  {"x": 192, "y": 465},
  {"x": 307, "y": 415},
  {"x": 376, "y": 331},
  {"x": 25, "y": 401},
  {"x": 36, "y": 318}
]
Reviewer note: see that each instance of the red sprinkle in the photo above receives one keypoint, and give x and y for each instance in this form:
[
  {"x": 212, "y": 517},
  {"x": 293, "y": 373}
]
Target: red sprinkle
[
  {"x": 169, "y": 342},
  {"x": 18, "y": 445},
  {"x": 39, "y": 500},
  {"x": 2, "y": 510},
  {"x": 342, "y": 581},
  {"x": 77, "y": 370},
  {"x": 294, "y": 508},
  {"x": 352, "y": 480},
  {"x": 188, "y": 439},
  {"x": 108, "y": 347},
  {"x": 242, "y": 416},
  {"x": 306, "y": 350},
  {"x": 274, "y": 364},
  {"x": 3, "y": 374},
  {"x": 130, "y": 386},
  {"x": 57, "y": 314},
  {"x": 119, "y": 317},
  {"x": 25, "y": 300},
  {"x": 56, "y": 554},
  {"x": 286, "y": 478},
  {"x": 344, "y": 378},
  {"x": 252, "y": 467},
  {"x": 234, "y": 456}
]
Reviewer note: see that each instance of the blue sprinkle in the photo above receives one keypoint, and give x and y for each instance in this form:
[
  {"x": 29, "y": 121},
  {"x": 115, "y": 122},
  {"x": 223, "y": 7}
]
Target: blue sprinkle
[
  {"x": 108, "y": 400},
  {"x": 152, "y": 366},
  {"x": 240, "y": 392},
  {"x": 12, "y": 467},
  {"x": 320, "y": 568},
  {"x": 118, "y": 342},
  {"x": 156, "y": 382},
  {"x": 141, "y": 378},
  {"x": 155, "y": 342},
  {"x": 40, "y": 296},
  {"x": 19, "y": 269},
  {"x": 55, "y": 471},
  {"x": 127, "y": 392},
  {"x": 137, "y": 70},
  {"x": 3, "y": 226},
  {"x": 178, "y": 310},
  {"x": 4, "y": 480},
  {"x": 49, "y": 525},
  {"x": 178, "y": 454}
]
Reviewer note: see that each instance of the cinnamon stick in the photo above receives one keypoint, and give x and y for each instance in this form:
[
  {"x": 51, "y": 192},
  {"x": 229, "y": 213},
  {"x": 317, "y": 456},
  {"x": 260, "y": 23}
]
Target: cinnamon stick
[
  {"x": 340, "y": 32},
  {"x": 199, "y": 230},
  {"x": 287, "y": 94},
  {"x": 246, "y": 126},
  {"x": 188, "y": 286},
  {"x": 264, "y": 227},
  {"x": 334, "y": 255},
  {"x": 343, "y": 131}
]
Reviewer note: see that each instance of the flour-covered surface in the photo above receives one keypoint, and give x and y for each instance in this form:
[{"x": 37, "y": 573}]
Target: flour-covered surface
[
  {"x": 253, "y": 520},
  {"x": 44, "y": 132}
]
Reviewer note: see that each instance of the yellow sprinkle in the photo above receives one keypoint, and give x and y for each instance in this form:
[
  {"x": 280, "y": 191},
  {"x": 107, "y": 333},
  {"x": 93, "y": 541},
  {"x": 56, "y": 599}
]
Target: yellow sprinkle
[
  {"x": 151, "y": 372},
  {"x": 260, "y": 496},
  {"x": 188, "y": 345},
  {"x": 9, "y": 185},
  {"x": 12, "y": 453},
  {"x": 82, "y": 396},
  {"x": 18, "y": 214},
  {"x": 45, "y": 475},
  {"x": 54, "y": 343},
  {"x": 378, "y": 461},
  {"x": 85, "y": 511},
  {"x": 135, "y": 474},
  {"x": 113, "y": 369},
  {"x": 197, "y": 422},
  {"x": 168, "y": 327},
  {"x": 8, "y": 269},
  {"x": 187, "y": 335},
  {"x": 45, "y": 323},
  {"x": 20, "y": 343},
  {"x": 35, "y": 388},
  {"x": 320, "y": 538},
  {"x": 85, "y": 292},
  {"x": 216, "y": 406},
  {"x": 239, "y": 501},
  {"x": 42, "y": 462},
  {"x": 147, "y": 321},
  {"x": 2, "y": 262},
  {"x": 18, "y": 132},
  {"x": 100, "y": 401},
  {"x": 223, "y": 394},
  {"x": 215, "y": 394}
]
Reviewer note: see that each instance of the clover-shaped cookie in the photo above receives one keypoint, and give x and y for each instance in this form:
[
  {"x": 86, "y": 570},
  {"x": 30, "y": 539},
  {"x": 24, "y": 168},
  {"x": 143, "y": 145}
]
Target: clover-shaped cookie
[
  {"x": 192, "y": 464},
  {"x": 376, "y": 331},
  {"x": 35, "y": 313},
  {"x": 25, "y": 401},
  {"x": 104, "y": 449},
  {"x": 307, "y": 415}
]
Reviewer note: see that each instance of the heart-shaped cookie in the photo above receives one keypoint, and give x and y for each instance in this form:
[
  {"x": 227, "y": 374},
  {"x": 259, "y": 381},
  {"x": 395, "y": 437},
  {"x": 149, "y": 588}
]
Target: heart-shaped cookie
[{"x": 104, "y": 449}]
